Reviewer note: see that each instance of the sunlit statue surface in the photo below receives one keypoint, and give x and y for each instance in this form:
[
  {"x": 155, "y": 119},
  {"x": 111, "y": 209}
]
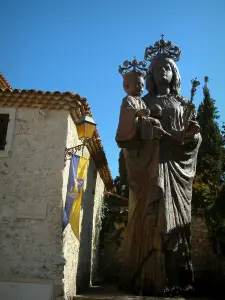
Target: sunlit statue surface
[{"x": 160, "y": 148}]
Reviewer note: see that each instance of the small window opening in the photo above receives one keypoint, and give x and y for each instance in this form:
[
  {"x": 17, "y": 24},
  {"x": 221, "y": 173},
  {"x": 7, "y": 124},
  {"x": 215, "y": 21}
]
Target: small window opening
[{"x": 4, "y": 121}]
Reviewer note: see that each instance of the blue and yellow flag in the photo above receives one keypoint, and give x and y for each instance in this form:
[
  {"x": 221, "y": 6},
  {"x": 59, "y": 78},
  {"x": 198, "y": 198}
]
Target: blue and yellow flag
[{"x": 77, "y": 173}]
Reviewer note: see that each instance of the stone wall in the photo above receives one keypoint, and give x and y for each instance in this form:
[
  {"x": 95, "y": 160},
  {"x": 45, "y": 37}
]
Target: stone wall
[
  {"x": 209, "y": 265},
  {"x": 33, "y": 184},
  {"x": 71, "y": 244},
  {"x": 81, "y": 256},
  {"x": 31, "y": 198},
  {"x": 97, "y": 225},
  {"x": 201, "y": 245}
]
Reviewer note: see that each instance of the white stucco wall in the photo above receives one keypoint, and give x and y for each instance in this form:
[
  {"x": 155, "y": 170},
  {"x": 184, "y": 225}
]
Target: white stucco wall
[
  {"x": 78, "y": 255},
  {"x": 31, "y": 179},
  {"x": 98, "y": 201},
  {"x": 35, "y": 178},
  {"x": 70, "y": 243}
]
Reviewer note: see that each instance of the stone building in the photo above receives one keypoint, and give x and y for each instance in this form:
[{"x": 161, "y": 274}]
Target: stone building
[{"x": 38, "y": 261}]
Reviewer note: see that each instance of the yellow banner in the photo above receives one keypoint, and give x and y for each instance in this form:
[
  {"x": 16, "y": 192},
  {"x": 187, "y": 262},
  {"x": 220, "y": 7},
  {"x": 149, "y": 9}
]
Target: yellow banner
[{"x": 78, "y": 171}]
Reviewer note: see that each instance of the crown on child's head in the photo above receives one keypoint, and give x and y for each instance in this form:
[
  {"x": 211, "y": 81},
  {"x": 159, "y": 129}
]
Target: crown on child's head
[
  {"x": 163, "y": 47},
  {"x": 134, "y": 66}
]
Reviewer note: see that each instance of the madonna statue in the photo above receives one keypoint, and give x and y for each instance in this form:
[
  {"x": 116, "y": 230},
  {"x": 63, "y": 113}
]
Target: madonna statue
[{"x": 160, "y": 170}]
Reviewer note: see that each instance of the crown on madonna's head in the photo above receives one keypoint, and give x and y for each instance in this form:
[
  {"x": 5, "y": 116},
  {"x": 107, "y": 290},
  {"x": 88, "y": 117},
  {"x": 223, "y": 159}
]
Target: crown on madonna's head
[
  {"x": 133, "y": 66},
  {"x": 163, "y": 47}
]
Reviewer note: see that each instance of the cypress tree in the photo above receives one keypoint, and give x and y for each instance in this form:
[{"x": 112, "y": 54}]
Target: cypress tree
[{"x": 210, "y": 164}]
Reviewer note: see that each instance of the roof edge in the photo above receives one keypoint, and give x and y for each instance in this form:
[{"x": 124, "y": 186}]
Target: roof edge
[
  {"x": 4, "y": 83},
  {"x": 72, "y": 102}
]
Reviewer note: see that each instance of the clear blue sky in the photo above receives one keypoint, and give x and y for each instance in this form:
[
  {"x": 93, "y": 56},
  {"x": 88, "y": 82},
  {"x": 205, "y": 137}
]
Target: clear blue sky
[{"x": 71, "y": 45}]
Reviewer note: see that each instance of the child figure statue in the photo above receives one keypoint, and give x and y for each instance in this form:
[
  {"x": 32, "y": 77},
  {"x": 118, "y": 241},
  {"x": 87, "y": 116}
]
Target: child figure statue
[{"x": 135, "y": 122}]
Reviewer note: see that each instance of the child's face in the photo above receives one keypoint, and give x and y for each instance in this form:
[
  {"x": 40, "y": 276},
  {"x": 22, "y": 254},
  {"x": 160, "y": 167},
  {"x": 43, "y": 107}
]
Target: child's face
[{"x": 136, "y": 86}]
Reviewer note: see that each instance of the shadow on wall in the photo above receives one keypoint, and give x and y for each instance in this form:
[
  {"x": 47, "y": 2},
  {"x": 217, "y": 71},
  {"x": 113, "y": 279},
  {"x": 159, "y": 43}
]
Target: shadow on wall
[{"x": 84, "y": 260}]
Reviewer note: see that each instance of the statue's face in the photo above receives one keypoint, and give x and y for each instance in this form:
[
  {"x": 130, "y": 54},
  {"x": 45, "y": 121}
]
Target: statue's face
[
  {"x": 162, "y": 73},
  {"x": 137, "y": 86}
]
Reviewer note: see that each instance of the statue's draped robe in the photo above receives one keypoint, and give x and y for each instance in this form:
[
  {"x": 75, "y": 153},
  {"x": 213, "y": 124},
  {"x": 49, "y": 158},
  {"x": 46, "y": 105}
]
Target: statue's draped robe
[
  {"x": 129, "y": 128},
  {"x": 160, "y": 175}
]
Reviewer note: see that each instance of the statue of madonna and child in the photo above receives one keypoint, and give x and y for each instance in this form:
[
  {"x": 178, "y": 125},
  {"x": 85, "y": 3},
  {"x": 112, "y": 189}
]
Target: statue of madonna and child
[{"x": 160, "y": 139}]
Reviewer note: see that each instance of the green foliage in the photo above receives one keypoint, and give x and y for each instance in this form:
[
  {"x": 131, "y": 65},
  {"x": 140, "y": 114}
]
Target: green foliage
[
  {"x": 121, "y": 189},
  {"x": 115, "y": 210},
  {"x": 113, "y": 214},
  {"x": 120, "y": 181},
  {"x": 215, "y": 217},
  {"x": 209, "y": 183},
  {"x": 211, "y": 157},
  {"x": 204, "y": 193}
]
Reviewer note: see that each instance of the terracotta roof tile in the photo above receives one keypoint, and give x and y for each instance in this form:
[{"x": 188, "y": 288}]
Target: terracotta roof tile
[
  {"x": 39, "y": 99},
  {"x": 73, "y": 102},
  {"x": 4, "y": 83}
]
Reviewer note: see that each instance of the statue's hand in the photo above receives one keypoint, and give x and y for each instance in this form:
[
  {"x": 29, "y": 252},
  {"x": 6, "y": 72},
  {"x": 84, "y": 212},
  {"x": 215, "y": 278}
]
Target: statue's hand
[
  {"x": 192, "y": 129},
  {"x": 154, "y": 121},
  {"x": 145, "y": 112},
  {"x": 158, "y": 132}
]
